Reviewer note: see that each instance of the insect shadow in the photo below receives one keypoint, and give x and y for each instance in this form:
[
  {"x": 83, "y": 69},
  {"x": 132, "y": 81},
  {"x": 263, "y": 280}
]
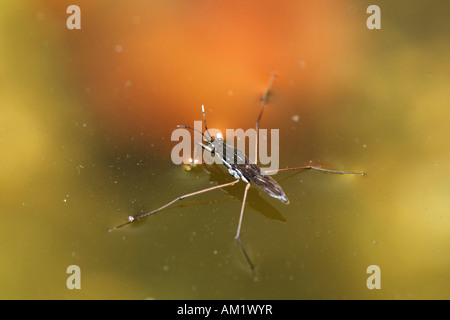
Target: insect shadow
[
  {"x": 255, "y": 200},
  {"x": 216, "y": 174}
]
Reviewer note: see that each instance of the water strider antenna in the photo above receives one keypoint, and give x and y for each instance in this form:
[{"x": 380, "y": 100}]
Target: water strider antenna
[{"x": 204, "y": 120}]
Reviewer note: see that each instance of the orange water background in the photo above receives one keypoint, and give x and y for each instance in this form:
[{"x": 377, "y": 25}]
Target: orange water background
[{"x": 147, "y": 67}]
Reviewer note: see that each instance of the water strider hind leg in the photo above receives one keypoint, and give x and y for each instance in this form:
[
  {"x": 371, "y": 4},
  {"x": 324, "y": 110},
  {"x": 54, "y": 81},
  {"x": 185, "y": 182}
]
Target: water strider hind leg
[
  {"x": 264, "y": 99},
  {"x": 314, "y": 168}
]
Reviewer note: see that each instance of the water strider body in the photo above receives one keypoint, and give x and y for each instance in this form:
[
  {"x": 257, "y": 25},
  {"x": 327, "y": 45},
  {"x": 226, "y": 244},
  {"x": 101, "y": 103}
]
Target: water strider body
[{"x": 241, "y": 168}]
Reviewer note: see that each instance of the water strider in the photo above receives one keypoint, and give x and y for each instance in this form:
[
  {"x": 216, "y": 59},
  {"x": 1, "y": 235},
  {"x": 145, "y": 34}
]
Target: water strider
[{"x": 241, "y": 168}]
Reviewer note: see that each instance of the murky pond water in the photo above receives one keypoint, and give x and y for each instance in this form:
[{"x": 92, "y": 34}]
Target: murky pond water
[{"x": 85, "y": 133}]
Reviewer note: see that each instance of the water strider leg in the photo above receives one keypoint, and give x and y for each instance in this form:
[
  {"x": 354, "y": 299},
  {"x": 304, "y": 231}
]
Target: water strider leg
[
  {"x": 264, "y": 99},
  {"x": 134, "y": 219},
  {"x": 252, "y": 267},
  {"x": 313, "y": 168}
]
